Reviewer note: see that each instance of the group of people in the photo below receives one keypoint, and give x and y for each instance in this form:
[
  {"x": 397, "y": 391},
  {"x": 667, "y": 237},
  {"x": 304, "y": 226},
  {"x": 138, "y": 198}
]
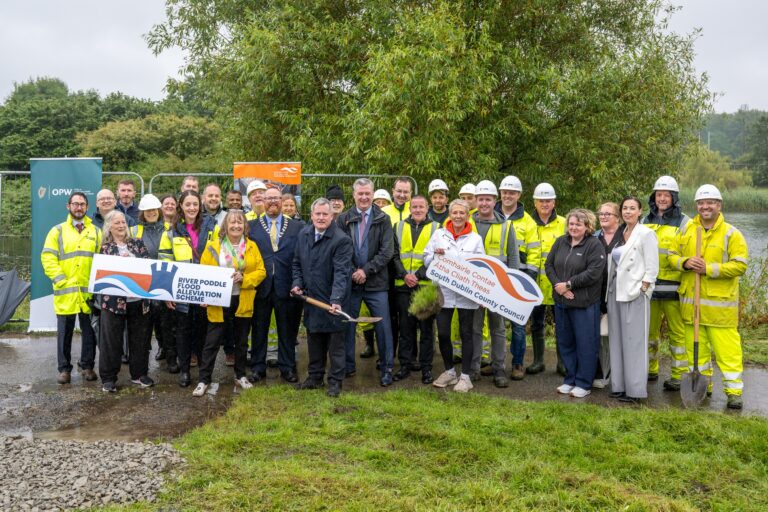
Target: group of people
[{"x": 610, "y": 280}]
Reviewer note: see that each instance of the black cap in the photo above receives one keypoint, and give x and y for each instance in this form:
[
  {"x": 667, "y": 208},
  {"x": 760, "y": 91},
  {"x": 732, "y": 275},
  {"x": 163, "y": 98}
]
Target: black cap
[{"x": 334, "y": 192}]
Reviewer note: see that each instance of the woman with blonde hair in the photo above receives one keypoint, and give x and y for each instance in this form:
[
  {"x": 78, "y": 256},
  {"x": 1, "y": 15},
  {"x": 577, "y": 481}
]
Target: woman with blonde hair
[
  {"x": 119, "y": 313},
  {"x": 610, "y": 232},
  {"x": 457, "y": 238},
  {"x": 233, "y": 250}
]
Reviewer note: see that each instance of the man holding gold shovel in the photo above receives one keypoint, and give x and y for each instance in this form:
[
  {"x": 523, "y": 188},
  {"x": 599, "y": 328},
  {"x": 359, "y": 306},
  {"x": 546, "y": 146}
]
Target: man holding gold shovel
[{"x": 712, "y": 256}]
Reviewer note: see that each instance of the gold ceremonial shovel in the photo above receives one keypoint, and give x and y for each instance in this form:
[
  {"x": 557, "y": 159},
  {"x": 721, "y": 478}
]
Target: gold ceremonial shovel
[{"x": 327, "y": 307}]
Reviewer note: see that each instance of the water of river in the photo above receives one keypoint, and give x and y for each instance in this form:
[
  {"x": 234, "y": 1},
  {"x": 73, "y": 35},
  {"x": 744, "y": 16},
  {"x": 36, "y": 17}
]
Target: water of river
[{"x": 15, "y": 251}]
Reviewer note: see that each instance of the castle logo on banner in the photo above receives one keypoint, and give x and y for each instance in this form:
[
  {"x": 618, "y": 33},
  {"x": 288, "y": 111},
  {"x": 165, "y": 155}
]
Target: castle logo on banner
[
  {"x": 488, "y": 282},
  {"x": 161, "y": 280}
]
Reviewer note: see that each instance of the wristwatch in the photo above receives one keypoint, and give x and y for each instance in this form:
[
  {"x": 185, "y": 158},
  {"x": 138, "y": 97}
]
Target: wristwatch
[{"x": 567, "y": 285}]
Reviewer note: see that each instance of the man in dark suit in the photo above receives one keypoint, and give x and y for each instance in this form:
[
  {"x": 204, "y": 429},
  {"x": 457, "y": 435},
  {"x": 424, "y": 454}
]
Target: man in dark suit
[
  {"x": 374, "y": 244},
  {"x": 275, "y": 235},
  {"x": 322, "y": 266}
]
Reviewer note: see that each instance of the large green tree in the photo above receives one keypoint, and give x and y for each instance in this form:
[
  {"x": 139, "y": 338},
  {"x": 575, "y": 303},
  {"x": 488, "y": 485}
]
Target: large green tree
[
  {"x": 757, "y": 145},
  {"x": 594, "y": 96}
]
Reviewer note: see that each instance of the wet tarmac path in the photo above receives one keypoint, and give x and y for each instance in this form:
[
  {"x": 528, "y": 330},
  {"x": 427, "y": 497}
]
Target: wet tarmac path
[{"x": 32, "y": 404}]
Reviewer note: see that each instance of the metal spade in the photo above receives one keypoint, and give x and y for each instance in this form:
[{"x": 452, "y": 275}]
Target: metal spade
[
  {"x": 347, "y": 318},
  {"x": 693, "y": 387}
]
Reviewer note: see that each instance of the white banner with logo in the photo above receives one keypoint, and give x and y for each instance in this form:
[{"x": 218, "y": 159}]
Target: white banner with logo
[
  {"x": 161, "y": 280},
  {"x": 488, "y": 282}
]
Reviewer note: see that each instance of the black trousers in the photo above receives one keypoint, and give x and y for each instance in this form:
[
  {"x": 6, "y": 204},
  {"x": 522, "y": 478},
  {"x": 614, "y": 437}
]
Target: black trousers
[
  {"x": 190, "y": 334},
  {"x": 65, "y": 326},
  {"x": 215, "y": 337},
  {"x": 466, "y": 318},
  {"x": 409, "y": 325},
  {"x": 157, "y": 315},
  {"x": 284, "y": 309},
  {"x": 331, "y": 343},
  {"x": 168, "y": 329},
  {"x": 111, "y": 342}
]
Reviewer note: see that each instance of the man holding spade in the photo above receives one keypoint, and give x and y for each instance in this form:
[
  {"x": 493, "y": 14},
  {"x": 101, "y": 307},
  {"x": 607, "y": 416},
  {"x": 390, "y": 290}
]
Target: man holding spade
[{"x": 718, "y": 259}]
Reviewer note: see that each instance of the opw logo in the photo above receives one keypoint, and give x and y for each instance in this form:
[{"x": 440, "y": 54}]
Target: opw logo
[
  {"x": 290, "y": 170},
  {"x": 515, "y": 284},
  {"x": 157, "y": 285}
]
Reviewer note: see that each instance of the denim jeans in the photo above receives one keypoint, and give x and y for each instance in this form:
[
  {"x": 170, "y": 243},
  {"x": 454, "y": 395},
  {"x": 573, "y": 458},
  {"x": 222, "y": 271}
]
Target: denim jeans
[{"x": 378, "y": 305}]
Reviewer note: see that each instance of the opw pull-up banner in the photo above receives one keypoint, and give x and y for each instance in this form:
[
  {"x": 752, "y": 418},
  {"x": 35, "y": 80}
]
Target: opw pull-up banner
[
  {"x": 143, "y": 278},
  {"x": 53, "y": 180},
  {"x": 489, "y": 283}
]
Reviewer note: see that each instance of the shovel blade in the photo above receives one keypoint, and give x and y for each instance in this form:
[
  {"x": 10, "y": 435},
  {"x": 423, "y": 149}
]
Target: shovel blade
[
  {"x": 365, "y": 319},
  {"x": 693, "y": 389}
]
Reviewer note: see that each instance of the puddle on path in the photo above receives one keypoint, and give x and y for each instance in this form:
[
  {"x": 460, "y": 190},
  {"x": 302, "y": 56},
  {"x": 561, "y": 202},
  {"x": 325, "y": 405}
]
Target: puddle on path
[{"x": 32, "y": 404}]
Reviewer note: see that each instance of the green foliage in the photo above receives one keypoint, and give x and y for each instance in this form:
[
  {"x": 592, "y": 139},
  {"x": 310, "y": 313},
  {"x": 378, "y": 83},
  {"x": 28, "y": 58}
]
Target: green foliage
[
  {"x": 16, "y": 206},
  {"x": 126, "y": 144},
  {"x": 728, "y": 133},
  {"x": 753, "y": 294},
  {"x": 595, "y": 97},
  {"x": 735, "y": 200},
  {"x": 427, "y": 450},
  {"x": 426, "y": 301},
  {"x": 42, "y": 118},
  {"x": 758, "y": 144},
  {"x": 702, "y": 165}
]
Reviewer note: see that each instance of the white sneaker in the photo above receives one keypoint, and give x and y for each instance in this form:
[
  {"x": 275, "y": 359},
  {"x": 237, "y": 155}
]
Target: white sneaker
[
  {"x": 578, "y": 392},
  {"x": 244, "y": 383},
  {"x": 447, "y": 378},
  {"x": 464, "y": 384},
  {"x": 599, "y": 383},
  {"x": 564, "y": 389},
  {"x": 200, "y": 390}
]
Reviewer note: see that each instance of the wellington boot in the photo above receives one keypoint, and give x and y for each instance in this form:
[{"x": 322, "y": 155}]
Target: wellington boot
[
  {"x": 537, "y": 340},
  {"x": 369, "y": 350}
]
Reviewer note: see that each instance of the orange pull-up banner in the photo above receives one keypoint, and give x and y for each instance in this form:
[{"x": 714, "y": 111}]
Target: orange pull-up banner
[{"x": 288, "y": 173}]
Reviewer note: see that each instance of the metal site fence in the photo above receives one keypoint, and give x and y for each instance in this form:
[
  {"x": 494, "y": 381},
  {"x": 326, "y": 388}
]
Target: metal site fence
[{"x": 16, "y": 201}]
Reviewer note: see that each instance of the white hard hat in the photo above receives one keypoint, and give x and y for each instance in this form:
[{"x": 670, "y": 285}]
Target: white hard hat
[
  {"x": 544, "y": 191},
  {"x": 467, "y": 189},
  {"x": 255, "y": 185},
  {"x": 707, "y": 192},
  {"x": 149, "y": 202},
  {"x": 437, "y": 185},
  {"x": 486, "y": 187},
  {"x": 511, "y": 183},
  {"x": 666, "y": 183},
  {"x": 382, "y": 194}
]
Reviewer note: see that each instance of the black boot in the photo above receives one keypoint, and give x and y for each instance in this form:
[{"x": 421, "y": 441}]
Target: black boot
[
  {"x": 537, "y": 340},
  {"x": 369, "y": 350},
  {"x": 560, "y": 365}
]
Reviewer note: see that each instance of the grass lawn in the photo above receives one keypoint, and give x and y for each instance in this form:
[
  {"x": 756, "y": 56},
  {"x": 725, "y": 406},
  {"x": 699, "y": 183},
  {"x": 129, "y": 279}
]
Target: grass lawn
[{"x": 280, "y": 449}]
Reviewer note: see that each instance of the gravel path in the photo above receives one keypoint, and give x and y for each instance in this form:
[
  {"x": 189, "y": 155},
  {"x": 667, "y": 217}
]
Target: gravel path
[{"x": 61, "y": 475}]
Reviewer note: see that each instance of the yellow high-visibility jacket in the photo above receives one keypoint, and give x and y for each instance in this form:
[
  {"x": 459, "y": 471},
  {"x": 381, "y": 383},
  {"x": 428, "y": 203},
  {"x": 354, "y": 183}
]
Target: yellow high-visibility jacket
[
  {"x": 396, "y": 215},
  {"x": 725, "y": 250},
  {"x": 412, "y": 254},
  {"x": 253, "y": 275},
  {"x": 66, "y": 257},
  {"x": 546, "y": 234}
]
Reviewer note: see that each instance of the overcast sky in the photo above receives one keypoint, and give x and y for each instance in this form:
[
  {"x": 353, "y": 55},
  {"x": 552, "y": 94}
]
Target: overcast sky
[{"x": 98, "y": 44}]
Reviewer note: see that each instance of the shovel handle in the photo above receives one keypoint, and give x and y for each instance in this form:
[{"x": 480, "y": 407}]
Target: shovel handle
[
  {"x": 317, "y": 303},
  {"x": 696, "y": 304}
]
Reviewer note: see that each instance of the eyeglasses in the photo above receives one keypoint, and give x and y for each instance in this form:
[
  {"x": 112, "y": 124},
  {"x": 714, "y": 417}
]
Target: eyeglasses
[
  {"x": 272, "y": 200},
  {"x": 606, "y": 214},
  {"x": 105, "y": 200},
  {"x": 79, "y": 205}
]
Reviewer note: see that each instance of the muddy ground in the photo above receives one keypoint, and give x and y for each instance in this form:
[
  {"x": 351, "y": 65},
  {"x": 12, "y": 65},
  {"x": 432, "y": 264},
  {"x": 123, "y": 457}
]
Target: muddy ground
[{"x": 33, "y": 405}]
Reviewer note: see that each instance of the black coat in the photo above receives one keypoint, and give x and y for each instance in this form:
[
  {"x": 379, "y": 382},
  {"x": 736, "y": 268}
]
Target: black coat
[
  {"x": 279, "y": 265},
  {"x": 581, "y": 265},
  {"x": 323, "y": 270},
  {"x": 381, "y": 246}
]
